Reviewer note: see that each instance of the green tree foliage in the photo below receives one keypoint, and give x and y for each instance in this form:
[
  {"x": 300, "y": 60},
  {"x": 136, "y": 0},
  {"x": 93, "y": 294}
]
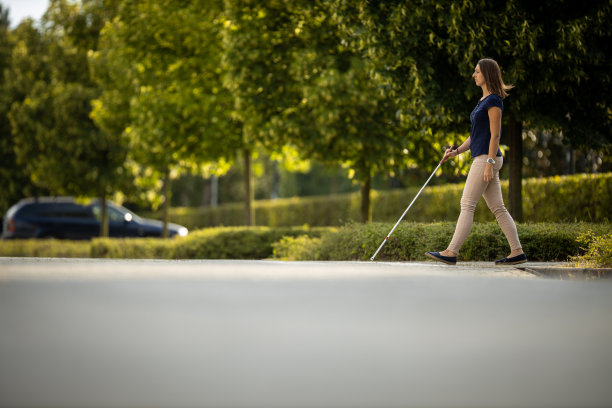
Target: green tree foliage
[
  {"x": 344, "y": 115},
  {"x": 159, "y": 67},
  {"x": 21, "y": 65},
  {"x": 176, "y": 86},
  {"x": 295, "y": 82},
  {"x": 54, "y": 138},
  {"x": 7, "y": 156},
  {"x": 556, "y": 53},
  {"x": 258, "y": 40}
]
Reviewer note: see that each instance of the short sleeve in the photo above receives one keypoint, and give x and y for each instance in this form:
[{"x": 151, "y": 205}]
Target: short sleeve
[{"x": 494, "y": 101}]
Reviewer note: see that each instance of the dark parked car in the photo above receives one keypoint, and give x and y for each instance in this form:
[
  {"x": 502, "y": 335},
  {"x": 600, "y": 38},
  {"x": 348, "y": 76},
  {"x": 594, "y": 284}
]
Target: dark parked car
[{"x": 66, "y": 218}]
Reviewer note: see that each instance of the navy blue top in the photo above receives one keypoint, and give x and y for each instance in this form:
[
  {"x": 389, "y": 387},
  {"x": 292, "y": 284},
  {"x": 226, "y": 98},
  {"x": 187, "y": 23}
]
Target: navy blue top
[{"x": 480, "y": 136}]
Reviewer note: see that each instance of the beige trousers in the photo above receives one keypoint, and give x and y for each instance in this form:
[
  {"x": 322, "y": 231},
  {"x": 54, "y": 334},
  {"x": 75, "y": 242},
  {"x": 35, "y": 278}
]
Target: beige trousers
[{"x": 476, "y": 187}]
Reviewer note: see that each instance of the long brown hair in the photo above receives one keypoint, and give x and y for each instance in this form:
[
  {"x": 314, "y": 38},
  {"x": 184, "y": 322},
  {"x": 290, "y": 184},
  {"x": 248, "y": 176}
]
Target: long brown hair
[{"x": 493, "y": 77}]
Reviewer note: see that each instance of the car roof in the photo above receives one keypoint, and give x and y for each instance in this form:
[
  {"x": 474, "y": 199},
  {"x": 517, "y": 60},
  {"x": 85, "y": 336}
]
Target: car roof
[{"x": 32, "y": 200}]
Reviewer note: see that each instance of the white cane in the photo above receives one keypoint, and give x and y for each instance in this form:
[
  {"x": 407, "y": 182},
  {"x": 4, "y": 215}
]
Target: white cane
[{"x": 413, "y": 200}]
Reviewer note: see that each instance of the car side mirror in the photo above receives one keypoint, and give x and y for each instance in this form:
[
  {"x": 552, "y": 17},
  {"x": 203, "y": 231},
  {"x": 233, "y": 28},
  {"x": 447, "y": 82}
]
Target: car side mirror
[{"x": 127, "y": 217}]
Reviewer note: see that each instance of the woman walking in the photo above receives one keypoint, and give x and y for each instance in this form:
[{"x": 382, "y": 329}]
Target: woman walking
[{"x": 487, "y": 160}]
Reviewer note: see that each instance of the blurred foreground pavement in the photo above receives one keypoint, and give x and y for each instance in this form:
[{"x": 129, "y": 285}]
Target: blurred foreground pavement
[{"x": 112, "y": 333}]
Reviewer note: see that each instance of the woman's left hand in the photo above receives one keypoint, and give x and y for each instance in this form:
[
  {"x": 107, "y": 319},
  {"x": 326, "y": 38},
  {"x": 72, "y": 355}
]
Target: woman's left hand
[{"x": 488, "y": 172}]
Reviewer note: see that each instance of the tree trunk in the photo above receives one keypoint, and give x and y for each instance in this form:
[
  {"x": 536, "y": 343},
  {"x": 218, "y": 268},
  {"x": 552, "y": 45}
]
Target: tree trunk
[
  {"x": 166, "y": 203},
  {"x": 274, "y": 194},
  {"x": 515, "y": 194},
  {"x": 103, "y": 216},
  {"x": 248, "y": 186},
  {"x": 366, "y": 214},
  {"x": 571, "y": 161},
  {"x": 214, "y": 191}
]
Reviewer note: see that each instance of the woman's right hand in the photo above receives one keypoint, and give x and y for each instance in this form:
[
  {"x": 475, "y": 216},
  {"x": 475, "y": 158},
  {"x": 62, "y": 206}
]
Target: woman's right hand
[{"x": 450, "y": 152}]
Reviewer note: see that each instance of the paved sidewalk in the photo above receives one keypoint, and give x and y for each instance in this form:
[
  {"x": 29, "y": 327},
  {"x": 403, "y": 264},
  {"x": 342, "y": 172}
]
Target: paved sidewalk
[
  {"x": 564, "y": 271},
  {"x": 113, "y": 333},
  {"x": 69, "y": 268}
]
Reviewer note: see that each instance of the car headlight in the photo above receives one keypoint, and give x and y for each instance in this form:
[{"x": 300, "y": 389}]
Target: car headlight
[{"x": 182, "y": 232}]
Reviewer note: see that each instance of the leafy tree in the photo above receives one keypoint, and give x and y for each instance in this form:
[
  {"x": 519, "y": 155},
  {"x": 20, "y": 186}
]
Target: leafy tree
[
  {"x": 21, "y": 64},
  {"x": 296, "y": 84},
  {"x": 159, "y": 68},
  {"x": 54, "y": 137},
  {"x": 343, "y": 115},
  {"x": 556, "y": 53},
  {"x": 7, "y": 156},
  {"x": 258, "y": 41}
]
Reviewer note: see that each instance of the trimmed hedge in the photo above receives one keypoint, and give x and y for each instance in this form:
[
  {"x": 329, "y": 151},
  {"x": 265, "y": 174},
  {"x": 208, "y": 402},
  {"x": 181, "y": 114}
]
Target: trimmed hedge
[
  {"x": 134, "y": 248},
  {"x": 410, "y": 241},
  {"x": 212, "y": 243},
  {"x": 582, "y": 197},
  {"x": 334, "y": 210},
  {"x": 541, "y": 242},
  {"x": 45, "y": 248}
]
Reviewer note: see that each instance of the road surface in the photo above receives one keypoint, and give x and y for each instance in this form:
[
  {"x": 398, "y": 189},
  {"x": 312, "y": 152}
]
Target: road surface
[{"x": 102, "y": 333}]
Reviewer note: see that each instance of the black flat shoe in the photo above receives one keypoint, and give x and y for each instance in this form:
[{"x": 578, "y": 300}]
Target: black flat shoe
[
  {"x": 515, "y": 260},
  {"x": 450, "y": 260}
]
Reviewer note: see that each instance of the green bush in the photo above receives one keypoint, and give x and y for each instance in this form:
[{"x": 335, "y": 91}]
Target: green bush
[
  {"x": 581, "y": 242},
  {"x": 410, "y": 241},
  {"x": 583, "y": 197},
  {"x": 44, "y": 248},
  {"x": 133, "y": 248},
  {"x": 297, "y": 248},
  {"x": 212, "y": 243},
  {"x": 236, "y": 242},
  {"x": 285, "y": 212},
  {"x": 598, "y": 251}
]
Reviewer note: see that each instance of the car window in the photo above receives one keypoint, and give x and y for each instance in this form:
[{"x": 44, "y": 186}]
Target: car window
[
  {"x": 45, "y": 210},
  {"x": 56, "y": 210},
  {"x": 72, "y": 210},
  {"x": 29, "y": 210},
  {"x": 114, "y": 215}
]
